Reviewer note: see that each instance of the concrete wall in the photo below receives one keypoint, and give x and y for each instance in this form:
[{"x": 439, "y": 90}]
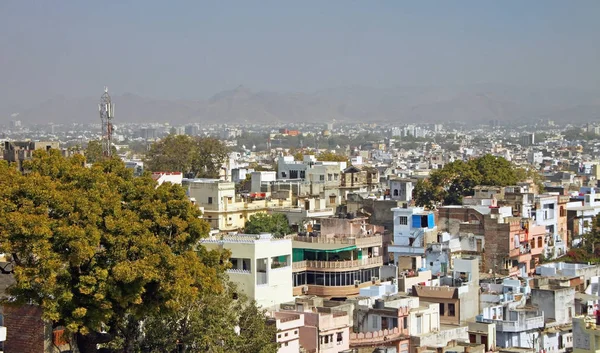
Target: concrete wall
[{"x": 557, "y": 304}]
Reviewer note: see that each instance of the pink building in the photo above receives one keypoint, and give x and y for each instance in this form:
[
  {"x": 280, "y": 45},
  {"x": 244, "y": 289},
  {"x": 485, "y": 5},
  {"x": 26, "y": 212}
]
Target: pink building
[{"x": 325, "y": 332}]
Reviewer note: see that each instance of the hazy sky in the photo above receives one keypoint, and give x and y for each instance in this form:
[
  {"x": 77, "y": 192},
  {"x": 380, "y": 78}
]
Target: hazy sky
[{"x": 193, "y": 49}]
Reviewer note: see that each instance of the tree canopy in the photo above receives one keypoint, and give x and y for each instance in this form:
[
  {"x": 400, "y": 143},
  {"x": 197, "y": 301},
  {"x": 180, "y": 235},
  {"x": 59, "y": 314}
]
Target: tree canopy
[
  {"x": 186, "y": 329},
  {"x": 276, "y": 224},
  {"x": 100, "y": 250},
  {"x": 200, "y": 157},
  {"x": 328, "y": 156},
  {"x": 93, "y": 151},
  {"x": 457, "y": 179}
]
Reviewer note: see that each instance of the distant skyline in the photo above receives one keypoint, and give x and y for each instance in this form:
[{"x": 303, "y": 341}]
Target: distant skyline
[{"x": 193, "y": 49}]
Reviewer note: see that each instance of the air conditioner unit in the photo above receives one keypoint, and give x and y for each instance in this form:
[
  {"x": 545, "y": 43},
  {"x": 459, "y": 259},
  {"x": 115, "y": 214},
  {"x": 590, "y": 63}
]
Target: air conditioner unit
[
  {"x": 305, "y": 290},
  {"x": 356, "y": 283},
  {"x": 374, "y": 279}
]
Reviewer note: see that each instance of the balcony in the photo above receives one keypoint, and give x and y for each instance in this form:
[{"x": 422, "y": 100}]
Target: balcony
[
  {"x": 341, "y": 239},
  {"x": 312, "y": 265},
  {"x": 523, "y": 249},
  {"x": 518, "y": 326}
]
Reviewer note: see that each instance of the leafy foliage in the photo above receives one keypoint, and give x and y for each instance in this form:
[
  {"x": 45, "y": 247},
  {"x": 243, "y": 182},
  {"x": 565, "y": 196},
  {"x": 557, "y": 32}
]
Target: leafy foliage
[
  {"x": 93, "y": 151},
  {"x": 457, "y": 179},
  {"x": 200, "y": 157},
  {"x": 328, "y": 156},
  {"x": 589, "y": 251},
  {"x": 98, "y": 249},
  {"x": 277, "y": 224},
  {"x": 186, "y": 330}
]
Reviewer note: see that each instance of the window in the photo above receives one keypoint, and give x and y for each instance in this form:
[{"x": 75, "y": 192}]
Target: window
[
  {"x": 336, "y": 176},
  {"x": 293, "y": 174},
  {"x": 375, "y": 322},
  {"x": 302, "y": 174},
  {"x": 340, "y": 337},
  {"x": 332, "y": 199},
  {"x": 442, "y": 309},
  {"x": 209, "y": 199},
  {"x": 403, "y": 220},
  {"x": 451, "y": 309},
  {"x": 229, "y": 199},
  {"x": 241, "y": 216},
  {"x": 329, "y": 177},
  {"x": 540, "y": 242},
  {"x": 322, "y": 177},
  {"x": 286, "y": 334},
  {"x": 283, "y": 174},
  {"x": 405, "y": 322},
  {"x": 295, "y": 332}
]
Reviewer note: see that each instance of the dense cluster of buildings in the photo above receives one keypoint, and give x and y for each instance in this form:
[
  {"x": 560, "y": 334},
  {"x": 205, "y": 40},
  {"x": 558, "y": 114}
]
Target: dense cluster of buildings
[{"x": 366, "y": 270}]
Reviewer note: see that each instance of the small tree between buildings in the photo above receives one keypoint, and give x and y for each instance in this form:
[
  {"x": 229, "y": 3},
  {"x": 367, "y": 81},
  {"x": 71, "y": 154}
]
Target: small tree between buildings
[
  {"x": 100, "y": 250},
  {"x": 200, "y": 157},
  {"x": 276, "y": 224}
]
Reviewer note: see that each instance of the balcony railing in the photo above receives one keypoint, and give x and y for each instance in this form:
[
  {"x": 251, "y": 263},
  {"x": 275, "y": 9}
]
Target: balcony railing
[
  {"x": 518, "y": 326},
  {"x": 340, "y": 239},
  {"x": 331, "y": 265}
]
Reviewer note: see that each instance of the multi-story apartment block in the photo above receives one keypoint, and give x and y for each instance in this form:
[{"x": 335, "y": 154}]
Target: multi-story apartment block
[
  {"x": 513, "y": 245},
  {"x": 288, "y": 330},
  {"x": 325, "y": 332},
  {"x": 337, "y": 257},
  {"x": 457, "y": 296},
  {"x": 518, "y": 322},
  {"x": 359, "y": 179},
  {"x": 384, "y": 323},
  {"x": 223, "y": 209},
  {"x": 413, "y": 229},
  {"x": 261, "y": 266}
]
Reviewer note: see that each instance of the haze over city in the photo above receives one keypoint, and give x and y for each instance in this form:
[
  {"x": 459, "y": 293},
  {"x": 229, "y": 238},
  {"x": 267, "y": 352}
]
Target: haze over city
[{"x": 346, "y": 60}]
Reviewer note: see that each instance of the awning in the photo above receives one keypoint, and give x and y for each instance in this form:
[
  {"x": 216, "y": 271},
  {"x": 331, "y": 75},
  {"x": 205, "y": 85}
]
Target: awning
[{"x": 348, "y": 248}]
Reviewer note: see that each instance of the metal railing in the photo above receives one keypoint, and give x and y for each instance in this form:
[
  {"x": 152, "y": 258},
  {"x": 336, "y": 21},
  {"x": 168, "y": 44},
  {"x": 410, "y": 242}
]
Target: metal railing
[{"x": 328, "y": 265}]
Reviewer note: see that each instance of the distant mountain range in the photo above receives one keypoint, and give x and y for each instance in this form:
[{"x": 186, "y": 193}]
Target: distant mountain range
[{"x": 470, "y": 104}]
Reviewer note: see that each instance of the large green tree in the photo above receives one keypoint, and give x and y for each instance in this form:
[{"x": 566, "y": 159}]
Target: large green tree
[
  {"x": 276, "y": 224},
  {"x": 98, "y": 249},
  {"x": 194, "y": 156},
  {"x": 233, "y": 322},
  {"x": 93, "y": 151},
  {"x": 457, "y": 179}
]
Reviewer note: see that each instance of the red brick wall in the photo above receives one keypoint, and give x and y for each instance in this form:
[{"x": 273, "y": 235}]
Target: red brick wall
[{"x": 24, "y": 329}]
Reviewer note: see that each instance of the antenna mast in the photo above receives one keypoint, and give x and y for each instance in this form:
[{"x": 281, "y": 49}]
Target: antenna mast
[{"x": 107, "y": 110}]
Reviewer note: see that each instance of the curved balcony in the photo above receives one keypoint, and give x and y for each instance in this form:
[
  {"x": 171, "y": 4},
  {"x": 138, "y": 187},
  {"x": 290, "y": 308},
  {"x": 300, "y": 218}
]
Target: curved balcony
[
  {"x": 340, "y": 239},
  {"x": 312, "y": 265}
]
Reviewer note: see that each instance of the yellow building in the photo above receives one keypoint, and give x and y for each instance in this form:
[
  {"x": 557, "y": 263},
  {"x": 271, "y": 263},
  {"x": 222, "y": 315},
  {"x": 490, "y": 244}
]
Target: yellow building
[{"x": 223, "y": 209}]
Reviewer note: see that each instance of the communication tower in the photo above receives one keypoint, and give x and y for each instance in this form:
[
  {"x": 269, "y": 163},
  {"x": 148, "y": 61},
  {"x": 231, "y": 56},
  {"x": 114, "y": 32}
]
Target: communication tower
[{"x": 107, "y": 111}]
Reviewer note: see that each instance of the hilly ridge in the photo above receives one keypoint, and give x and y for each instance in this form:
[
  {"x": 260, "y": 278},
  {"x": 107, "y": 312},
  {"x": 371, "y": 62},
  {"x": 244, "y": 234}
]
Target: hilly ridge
[{"x": 471, "y": 104}]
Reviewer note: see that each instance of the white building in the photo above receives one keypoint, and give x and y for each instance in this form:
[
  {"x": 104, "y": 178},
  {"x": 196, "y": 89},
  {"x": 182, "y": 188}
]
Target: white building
[
  {"x": 401, "y": 189},
  {"x": 261, "y": 266},
  {"x": 412, "y": 225},
  {"x": 169, "y": 177}
]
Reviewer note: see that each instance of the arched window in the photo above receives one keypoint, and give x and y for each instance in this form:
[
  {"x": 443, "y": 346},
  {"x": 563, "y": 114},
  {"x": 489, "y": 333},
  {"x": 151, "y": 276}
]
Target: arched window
[{"x": 395, "y": 192}]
